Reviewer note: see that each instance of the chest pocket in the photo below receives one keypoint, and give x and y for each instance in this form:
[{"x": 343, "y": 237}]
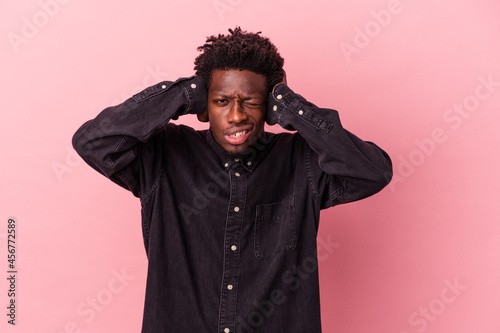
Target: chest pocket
[{"x": 275, "y": 228}]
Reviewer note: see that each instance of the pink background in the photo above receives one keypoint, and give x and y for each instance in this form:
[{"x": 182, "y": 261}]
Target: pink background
[{"x": 392, "y": 260}]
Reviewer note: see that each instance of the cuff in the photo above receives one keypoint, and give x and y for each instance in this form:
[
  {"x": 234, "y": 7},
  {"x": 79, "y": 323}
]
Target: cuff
[
  {"x": 287, "y": 109},
  {"x": 196, "y": 92}
]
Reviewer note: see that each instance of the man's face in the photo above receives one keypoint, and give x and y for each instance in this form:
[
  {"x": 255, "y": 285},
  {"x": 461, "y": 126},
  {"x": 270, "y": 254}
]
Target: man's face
[{"x": 237, "y": 103}]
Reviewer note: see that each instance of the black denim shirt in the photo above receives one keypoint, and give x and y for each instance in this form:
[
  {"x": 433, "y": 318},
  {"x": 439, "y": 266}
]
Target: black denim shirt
[{"x": 231, "y": 242}]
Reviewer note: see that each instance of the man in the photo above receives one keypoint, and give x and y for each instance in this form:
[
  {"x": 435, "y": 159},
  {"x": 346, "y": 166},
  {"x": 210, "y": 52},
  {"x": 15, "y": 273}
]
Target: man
[{"x": 230, "y": 214}]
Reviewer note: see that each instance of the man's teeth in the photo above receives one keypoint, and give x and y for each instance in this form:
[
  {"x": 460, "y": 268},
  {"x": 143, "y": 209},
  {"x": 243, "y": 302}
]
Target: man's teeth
[{"x": 237, "y": 134}]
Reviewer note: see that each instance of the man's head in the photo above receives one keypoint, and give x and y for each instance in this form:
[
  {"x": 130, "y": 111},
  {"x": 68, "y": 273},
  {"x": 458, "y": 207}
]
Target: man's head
[
  {"x": 240, "y": 70},
  {"x": 240, "y": 50}
]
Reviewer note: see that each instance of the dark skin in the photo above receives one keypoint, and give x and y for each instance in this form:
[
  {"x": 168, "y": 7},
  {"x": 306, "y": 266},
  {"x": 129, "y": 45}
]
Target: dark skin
[{"x": 237, "y": 101}]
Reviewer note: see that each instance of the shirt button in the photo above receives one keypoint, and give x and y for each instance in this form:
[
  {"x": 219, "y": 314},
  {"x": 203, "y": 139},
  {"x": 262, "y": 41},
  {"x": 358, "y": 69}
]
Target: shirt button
[
  {"x": 236, "y": 209},
  {"x": 233, "y": 247},
  {"x": 301, "y": 112},
  {"x": 193, "y": 85},
  {"x": 163, "y": 86},
  {"x": 230, "y": 286},
  {"x": 279, "y": 97},
  {"x": 275, "y": 108},
  {"x": 249, "y": 163},
  {"x": 226, "y": 330},
  {"x": 237, "y": 174},
  {"x": 236, "y": 159}
]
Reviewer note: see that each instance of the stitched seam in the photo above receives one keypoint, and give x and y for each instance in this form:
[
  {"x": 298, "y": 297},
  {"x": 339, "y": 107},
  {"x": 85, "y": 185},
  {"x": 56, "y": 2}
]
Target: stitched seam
[
  {"x": 152, "y": 91},
  {"x": 307, "y": 118},
  {"x": 338, "y": 192},
  {"x": 309, "y": 174},
  {"x": 186, "y": 91},
  {"x": 144, "y": 224},
  {"x": 121, "y": 175},
  {"x": 118, "y": 146},
  {"x": 155, "y": 186},
  {"x": 263, "y": 255}
]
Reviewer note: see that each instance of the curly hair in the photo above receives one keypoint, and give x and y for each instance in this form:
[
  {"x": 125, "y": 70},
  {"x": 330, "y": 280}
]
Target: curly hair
[{"x": 240, "y": 50}]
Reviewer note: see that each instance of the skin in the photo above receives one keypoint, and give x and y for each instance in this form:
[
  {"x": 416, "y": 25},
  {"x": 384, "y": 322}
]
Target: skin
[{"x": 237, "y": 100}]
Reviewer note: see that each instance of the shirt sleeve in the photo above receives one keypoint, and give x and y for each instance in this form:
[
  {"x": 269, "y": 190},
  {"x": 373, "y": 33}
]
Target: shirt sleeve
[
  {"x": 120, "y": 141},
  {"x": 341, "y": 167}
]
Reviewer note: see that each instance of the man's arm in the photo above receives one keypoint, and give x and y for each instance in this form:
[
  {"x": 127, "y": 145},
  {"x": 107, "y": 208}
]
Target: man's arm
[
  {"x": 119, "y": 137},
  {"x": 341, "y": 166}
]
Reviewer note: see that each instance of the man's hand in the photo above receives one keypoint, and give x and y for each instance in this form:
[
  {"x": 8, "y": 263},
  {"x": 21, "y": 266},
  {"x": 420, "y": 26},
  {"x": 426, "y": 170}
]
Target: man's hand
[
  {"x": 203, "y": 117},
  {"x": 283, "y": 81}
]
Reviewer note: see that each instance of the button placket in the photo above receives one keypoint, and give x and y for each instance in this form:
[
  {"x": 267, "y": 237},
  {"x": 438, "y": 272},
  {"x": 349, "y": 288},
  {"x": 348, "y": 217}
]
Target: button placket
[{"x": 232, "y": 260}]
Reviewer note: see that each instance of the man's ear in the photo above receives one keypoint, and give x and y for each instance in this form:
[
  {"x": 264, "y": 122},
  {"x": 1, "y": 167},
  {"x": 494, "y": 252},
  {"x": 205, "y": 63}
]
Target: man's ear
[{"x": 203, "y": 117}]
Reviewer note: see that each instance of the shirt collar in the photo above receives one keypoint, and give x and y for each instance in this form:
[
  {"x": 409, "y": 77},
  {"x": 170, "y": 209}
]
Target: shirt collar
[{"x": 249, "y": 159}]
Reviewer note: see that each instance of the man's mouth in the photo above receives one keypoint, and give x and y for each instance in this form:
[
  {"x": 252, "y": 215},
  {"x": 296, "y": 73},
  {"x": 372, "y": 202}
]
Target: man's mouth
[{"x": 237, "y": 138}]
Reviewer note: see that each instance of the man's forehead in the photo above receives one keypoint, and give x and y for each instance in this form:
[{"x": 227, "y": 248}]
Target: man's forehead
[{"x": 231, "y": 82}]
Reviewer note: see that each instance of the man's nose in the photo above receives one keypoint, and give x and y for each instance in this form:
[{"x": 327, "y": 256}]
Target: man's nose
[{"x": 236, "y": 113}]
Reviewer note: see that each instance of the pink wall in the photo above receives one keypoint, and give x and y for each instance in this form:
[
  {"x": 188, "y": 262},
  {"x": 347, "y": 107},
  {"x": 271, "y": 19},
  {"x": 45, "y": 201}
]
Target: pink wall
[{"x": 412, "y": 76}]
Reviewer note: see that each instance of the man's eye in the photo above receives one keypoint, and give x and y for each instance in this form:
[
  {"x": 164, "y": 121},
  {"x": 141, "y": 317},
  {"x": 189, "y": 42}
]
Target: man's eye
[
  {"x": 252, "y": 105},
  {"x": 220, "y": 101}
]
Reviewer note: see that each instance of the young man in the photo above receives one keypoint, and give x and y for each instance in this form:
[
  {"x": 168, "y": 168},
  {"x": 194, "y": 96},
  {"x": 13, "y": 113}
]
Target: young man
[{"x": 230, "y": 214}]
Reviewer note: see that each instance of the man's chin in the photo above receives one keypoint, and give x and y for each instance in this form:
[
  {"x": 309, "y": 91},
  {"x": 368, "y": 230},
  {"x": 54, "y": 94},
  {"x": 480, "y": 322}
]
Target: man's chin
[{"x": 237, "y": 151}]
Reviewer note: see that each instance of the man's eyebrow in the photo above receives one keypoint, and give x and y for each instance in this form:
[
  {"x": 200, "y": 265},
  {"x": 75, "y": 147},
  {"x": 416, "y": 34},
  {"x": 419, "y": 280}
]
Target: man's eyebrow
[{"x": 223, "y": 95}]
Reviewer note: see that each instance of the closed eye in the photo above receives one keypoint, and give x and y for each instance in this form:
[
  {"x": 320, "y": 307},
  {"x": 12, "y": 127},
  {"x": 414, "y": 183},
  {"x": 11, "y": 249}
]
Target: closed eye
[{"x": 253, "y": 104}]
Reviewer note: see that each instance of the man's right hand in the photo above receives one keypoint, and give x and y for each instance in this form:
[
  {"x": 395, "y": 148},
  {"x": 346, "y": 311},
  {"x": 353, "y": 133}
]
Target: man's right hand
[{"x": 203, "y": 117}]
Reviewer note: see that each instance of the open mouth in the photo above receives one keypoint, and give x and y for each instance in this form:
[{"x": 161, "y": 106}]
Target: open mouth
[{"x": 237, "y": 138}]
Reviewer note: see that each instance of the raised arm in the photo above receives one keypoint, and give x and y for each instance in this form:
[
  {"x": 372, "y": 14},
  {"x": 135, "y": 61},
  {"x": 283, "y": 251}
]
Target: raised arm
[
  {"x": 342, "y": 167},
  {"x": 120, "y": 137}
]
